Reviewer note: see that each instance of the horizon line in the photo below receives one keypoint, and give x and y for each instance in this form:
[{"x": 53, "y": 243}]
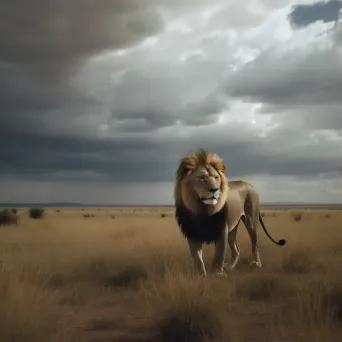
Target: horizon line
[{"x": 80, "y": 204}]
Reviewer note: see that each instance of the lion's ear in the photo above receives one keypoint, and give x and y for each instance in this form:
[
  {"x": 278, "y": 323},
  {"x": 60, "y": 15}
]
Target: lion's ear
[
  {"x": 186, "y": 166},
  {"x": 223, "y": 167},
  {"x": 219, "y": 165}
]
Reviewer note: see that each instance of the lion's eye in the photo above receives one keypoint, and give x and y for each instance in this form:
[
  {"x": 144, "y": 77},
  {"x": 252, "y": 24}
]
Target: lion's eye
[
  {"x": 201, "y": 178},
  {"x": 216, "y": 177}
]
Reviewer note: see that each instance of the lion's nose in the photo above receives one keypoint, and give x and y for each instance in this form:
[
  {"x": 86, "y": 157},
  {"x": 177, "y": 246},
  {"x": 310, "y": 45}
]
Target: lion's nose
[{"x": 213, "y": 190}]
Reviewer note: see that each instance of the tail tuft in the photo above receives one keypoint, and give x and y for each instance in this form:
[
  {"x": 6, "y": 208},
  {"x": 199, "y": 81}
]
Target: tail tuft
[{"x": 282, "y": 242}]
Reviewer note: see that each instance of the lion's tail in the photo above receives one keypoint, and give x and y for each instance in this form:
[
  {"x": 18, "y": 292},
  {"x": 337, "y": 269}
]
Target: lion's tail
[{"x": 281, "y": 242}]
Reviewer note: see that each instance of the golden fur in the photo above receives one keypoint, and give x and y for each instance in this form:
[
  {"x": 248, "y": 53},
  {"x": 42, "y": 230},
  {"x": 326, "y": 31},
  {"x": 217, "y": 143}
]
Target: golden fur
[
  {"x": 187, "y": 172},
  {"x": 199, "y": 175}
]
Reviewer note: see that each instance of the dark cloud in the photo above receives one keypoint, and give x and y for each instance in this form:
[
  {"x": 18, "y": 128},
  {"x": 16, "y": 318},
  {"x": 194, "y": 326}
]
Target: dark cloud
[
  {"x": 30, "y": 105},
  {"x": 327, "y": 11},
  {"x": 301, "y": 86},
  {"x": 205, "y": 111},
  {"x": 155, "y": 96},
  {"x": 51, "y": 37},
  {"x": 36, "y": 156},
  {"x": 296, "y": 77},
  {"x": 326, "y": 116},
  {"x": 44, "y": 157}
]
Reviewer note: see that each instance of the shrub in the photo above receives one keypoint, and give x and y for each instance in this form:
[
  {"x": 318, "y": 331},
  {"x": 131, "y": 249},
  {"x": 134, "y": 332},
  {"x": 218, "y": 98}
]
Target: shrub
[
  {"x": 163, "y": 215},
  {"x": 88, "y": 215},
  {"x": 14, "y": 211},
  {"x": 36, "y": 213},
  {"x": 297, "y": 216},
  {"x": 7, "y": 217}
]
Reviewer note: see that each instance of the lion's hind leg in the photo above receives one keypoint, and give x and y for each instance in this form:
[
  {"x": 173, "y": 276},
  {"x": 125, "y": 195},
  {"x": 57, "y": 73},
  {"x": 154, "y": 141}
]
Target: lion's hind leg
[{"x": 251, "y": 226}]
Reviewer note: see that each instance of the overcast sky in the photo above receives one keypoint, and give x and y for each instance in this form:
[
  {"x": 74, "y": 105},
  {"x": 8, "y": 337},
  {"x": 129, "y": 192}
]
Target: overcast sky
[{"x": 101, "y": 99}]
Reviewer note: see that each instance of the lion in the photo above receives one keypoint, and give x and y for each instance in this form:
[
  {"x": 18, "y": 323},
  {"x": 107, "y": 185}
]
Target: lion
[{"x": 209, "y": 209}]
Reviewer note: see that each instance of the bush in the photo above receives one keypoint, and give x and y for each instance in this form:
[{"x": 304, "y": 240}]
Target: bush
[
  {"x": 14, "y": 211},
  {"x": 36, "y": 213},
  {"x": 163, "y": 215},
  {"x": 297, "y": 216},
  {"x": 88, "y": 215},
  {"x": 7, "y": 217}
]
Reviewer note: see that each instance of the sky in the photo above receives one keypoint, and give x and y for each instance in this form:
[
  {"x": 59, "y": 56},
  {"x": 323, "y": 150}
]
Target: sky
[{"x": 101, "y": 99}]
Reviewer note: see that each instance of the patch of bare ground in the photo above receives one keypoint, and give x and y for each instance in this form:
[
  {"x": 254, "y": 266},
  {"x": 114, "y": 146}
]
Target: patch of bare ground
[{"x": 68, "y": 278}]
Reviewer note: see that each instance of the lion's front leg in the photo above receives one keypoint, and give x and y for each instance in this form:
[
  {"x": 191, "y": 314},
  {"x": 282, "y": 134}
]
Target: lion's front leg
[
  {"x": 234, "y": 246},
  {"x": 220, "y": 251},
  {"x": 196, "y": 253}
]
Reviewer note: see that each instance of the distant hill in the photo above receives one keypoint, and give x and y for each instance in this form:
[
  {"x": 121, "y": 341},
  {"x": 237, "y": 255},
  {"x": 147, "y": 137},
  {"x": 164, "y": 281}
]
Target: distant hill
[
  {"x": 53, "y": 204},
  {"x": 72, "y": 204},
  {"x": 78, "y": 204}
]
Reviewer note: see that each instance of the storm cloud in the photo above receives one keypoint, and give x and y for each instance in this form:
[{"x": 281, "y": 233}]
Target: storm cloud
[
  {"x": 50, "y": 38},
  {"x": 110, "y": 95}
]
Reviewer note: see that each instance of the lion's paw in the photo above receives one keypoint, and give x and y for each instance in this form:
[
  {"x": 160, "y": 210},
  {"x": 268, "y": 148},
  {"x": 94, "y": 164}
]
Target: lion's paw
[
  {"x": 221, "y": 274},
  {"x": 255, "y": 264}
]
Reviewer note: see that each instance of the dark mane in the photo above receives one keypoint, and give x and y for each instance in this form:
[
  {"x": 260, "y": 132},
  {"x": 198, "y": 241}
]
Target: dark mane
[{"x": 201, "y": 228}]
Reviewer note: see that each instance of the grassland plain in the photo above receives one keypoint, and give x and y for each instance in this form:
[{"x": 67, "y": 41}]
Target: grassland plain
[{"x": 125, "y": 274}]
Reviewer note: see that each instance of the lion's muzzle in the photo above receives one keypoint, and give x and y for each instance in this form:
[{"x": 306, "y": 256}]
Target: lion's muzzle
[{"x": 212, "y": 198}]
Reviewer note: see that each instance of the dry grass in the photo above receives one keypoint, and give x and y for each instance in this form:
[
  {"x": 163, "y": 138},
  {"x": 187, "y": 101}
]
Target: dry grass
[{"x": 67, "y": 278}]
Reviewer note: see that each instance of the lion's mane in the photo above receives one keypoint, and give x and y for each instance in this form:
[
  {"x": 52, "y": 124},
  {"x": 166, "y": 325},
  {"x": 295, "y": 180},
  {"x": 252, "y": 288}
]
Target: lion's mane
[
  {"x": 197, "y": 221},
  {"x": 202, "y": 228}
]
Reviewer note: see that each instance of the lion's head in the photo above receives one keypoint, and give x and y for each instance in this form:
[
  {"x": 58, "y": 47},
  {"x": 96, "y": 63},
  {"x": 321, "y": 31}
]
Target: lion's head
[{"x": 201, "y": 185}]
